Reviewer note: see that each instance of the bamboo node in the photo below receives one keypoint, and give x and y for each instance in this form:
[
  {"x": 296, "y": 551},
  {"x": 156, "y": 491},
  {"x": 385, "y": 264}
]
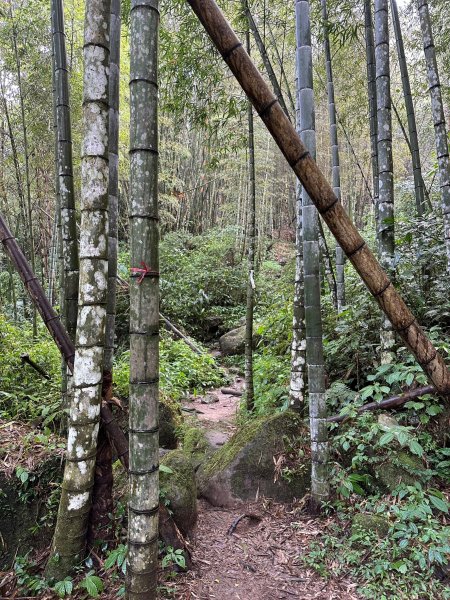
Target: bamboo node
[{"x": 143, "y": 271}]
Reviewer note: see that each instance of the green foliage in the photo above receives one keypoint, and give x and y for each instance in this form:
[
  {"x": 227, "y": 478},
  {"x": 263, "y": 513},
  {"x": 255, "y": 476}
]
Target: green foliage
[
  {"x": 181, "y": 370},
  {"x": 173, "y": 557},
  {"x": 92, "y": 584},
  {"x": 116, "y": 559},
  {"x": 64, "y": 588},
  {"x": 412, "y": 556},
  {"x": 24, "y": 393},
  {"x": 202, "y": 277}
]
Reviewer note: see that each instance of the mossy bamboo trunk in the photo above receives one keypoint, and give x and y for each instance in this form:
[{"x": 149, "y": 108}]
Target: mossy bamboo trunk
[
  {"x": 437, "y": 108},
  {"x": 298, "y": 347},
  {"x": 419, "y": 186},
  {"x": 84, "y": 416},
  {"x": 385, "y": 229},
  {"x": 311, "y": 265},
  {"x": 335, "y": 164},
  {"x": 102, "y": 494},
  {"x": 65, "y": 172},
  {"x": 319, "y": 190},
  {"x": 142, "y": 565}
]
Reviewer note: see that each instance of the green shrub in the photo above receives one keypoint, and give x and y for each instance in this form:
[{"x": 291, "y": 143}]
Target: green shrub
[
  {"x": 24, "y": 394},
  {"x": 181, "y": 370}
]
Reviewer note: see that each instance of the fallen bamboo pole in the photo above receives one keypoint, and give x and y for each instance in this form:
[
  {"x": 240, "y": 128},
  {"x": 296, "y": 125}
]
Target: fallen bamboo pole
[
  {"x": 314, "y": 182},
  {"x": 392, "y": 402}
]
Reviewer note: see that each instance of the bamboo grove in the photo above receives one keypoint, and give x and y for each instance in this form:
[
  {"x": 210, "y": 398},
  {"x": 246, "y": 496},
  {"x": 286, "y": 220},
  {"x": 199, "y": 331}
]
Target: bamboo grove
[{"x": 79, "y": 260}]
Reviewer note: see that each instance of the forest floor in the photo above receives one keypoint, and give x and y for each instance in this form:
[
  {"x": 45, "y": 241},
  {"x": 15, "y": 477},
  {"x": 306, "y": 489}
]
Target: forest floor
[
  {"x": 253, "y": 552},
  {"x": 257, "y": 557}
]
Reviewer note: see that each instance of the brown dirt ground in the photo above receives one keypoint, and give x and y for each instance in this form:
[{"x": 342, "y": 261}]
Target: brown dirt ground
[{"x": 261, "y": 560}]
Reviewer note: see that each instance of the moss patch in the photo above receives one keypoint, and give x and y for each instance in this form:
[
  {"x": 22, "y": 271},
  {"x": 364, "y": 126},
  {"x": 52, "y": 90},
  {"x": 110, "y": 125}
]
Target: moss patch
[
  {"x": 399, "y": 467},
  {"x": 366, "y": 522},
  {"x": 244, "y": 466},
  {"x": 179, "y": 489}
]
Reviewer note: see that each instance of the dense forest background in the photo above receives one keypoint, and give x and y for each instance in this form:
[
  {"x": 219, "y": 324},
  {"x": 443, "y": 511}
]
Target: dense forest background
[{"x": 205, "y": 220}]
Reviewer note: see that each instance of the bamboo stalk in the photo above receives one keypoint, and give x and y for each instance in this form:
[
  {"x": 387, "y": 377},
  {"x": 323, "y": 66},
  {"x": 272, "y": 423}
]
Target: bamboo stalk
[
  {"x": 314, "y": 182},
  {"x": 392, "y": 402},
  {"x": 419, "y": 185},
  {"x": 311, "y": 266},
  {"x": 142, "y": 565}
]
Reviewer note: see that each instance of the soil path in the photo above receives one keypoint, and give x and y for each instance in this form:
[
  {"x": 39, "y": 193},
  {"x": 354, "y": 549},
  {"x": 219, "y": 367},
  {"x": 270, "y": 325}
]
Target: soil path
[
  {"x": 261, "y": 558},
  {"x": 217, "y": 411}
]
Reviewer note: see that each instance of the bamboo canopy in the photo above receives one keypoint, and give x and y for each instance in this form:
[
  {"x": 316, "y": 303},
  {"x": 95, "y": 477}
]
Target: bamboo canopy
[{"x": 338, "y": 221}]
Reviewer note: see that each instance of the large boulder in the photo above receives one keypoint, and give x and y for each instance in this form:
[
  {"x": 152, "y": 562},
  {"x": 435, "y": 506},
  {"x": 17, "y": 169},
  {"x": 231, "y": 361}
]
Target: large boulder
[
  {"x": 179, "y": 489},
  {"x": 244, "y": 467},
  {"x": 233, "y": 342}
]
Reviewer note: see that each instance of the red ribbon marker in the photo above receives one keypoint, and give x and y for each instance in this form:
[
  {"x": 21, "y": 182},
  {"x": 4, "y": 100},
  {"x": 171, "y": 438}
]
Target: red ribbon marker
[{"x": 144, "y": 271}]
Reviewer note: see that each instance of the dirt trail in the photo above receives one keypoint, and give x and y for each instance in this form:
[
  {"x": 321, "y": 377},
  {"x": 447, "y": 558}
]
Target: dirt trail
[
  {"x": 261, "y": 558},
  {"x": 217, "y": 412}
]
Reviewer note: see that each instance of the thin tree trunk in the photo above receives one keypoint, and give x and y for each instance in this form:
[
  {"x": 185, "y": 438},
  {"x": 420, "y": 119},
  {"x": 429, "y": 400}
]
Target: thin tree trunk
[
  {"x": 70, "y": 533},
  {"x": 26, "y": 160},
  {"x": 265, "y": 57},
  {"x": 413, "y": 139},
  {"x": 322, "y": 195},
  {"x": 142, "y": 565},
  {"x": 385, "y": 231},
  {"x": 65, "y": 173},
  {"x": 335, "y": 165},
  {"x": 311, "y": 254},
  {"x": 251, "y": 234},
  {"x": 372, "y": 95},
  {"x": 437, "y": 107}
]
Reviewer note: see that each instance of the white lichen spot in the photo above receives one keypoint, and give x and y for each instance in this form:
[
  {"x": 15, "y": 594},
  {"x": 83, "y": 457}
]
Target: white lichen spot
[{"x": 78, "y": 501}]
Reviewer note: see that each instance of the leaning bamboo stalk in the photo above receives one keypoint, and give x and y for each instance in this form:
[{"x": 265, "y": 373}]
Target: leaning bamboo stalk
[
  {"x": 36, "y": 292},
  {"x": 314, "y": 182},
  {"x": 392, "y": 402}
]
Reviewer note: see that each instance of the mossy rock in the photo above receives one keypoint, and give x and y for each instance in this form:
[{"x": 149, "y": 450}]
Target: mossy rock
[
  {"x": 365, "y": 523},
  {"x": 180, "y": 490},
  {"x": 196, "y": 445},
  {"x": 170, "y": 419},
  {"x": 27, "y": 510},
  {"x": 244, "y": 467},
  {"x": 233, "y": 342},
  {"x": 399, "y": 467}
]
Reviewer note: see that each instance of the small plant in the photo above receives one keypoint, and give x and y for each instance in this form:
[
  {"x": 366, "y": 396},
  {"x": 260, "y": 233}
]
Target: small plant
[
  {"x": 92, "y": 584},
  {"x": 173, "y": 557},
  {"x": 64, "y": 588}
]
